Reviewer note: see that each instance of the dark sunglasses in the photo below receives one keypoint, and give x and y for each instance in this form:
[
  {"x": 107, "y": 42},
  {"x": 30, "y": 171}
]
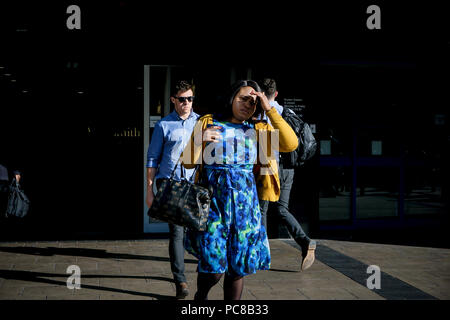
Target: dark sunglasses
[{"x": 183, "y": 99}]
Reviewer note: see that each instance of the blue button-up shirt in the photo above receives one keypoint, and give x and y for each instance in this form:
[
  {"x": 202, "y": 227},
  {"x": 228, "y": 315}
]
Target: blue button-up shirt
[{"x": 170, "y": 136}]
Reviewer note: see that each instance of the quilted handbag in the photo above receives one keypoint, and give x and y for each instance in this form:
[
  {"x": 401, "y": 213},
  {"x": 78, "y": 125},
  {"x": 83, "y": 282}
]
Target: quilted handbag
[{"x": 181, "y": 202}]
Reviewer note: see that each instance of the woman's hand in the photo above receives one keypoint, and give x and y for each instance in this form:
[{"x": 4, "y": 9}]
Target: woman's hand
[
  {"x": 212, "y": 134},
  {"x": 262, "y": 97}
]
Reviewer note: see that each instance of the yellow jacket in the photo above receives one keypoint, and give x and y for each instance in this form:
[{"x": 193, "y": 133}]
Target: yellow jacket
[{"x": 267, "y": 180}]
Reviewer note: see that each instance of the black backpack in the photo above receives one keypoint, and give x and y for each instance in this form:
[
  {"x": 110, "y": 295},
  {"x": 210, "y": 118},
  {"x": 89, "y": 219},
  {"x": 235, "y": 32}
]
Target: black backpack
[
  {"x": 18, "y": 202},
  {"x": 307, "y": 144}
]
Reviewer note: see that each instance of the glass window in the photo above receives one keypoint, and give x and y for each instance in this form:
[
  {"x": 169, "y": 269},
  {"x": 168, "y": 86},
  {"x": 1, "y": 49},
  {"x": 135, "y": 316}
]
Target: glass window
[
  {"x": 423, "y": 191},
  {"x": 378, "y": 141},
  {"x": 335, "y": 193},
  {"x": 377, "y": 192}
]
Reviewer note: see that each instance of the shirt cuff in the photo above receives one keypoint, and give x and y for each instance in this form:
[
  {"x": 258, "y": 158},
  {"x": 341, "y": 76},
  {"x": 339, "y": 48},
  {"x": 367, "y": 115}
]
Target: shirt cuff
[
  {"x": 272, "y": 112},
  {"x": 152, "y": 163}
]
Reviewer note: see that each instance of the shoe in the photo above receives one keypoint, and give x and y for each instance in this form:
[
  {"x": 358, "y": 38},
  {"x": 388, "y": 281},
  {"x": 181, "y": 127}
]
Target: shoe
[
  {"x": 308, "y": 254},
  {"x": 182, "y": 290},
  {"x": 196, "y": 297}
]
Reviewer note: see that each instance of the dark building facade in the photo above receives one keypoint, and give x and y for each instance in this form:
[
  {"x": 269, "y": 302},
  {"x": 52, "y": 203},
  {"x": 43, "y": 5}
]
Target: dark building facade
[{"x": 77, "y": 108}]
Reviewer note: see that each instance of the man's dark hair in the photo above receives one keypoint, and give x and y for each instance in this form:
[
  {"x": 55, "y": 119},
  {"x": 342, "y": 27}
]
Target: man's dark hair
[
  {"x": 226, "y": 110},
  {"x": 269, "y": 86},
  {"x": 183, "y": 86}
]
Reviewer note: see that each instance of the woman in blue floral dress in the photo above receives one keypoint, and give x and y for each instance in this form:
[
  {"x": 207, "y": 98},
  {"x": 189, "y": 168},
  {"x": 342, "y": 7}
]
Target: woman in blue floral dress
[{"x": 235, "y": 242}]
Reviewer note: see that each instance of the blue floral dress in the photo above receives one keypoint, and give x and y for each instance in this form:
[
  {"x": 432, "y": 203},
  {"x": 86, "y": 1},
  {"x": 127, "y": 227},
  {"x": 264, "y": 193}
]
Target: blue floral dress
[{"x": 234, "y": 241}]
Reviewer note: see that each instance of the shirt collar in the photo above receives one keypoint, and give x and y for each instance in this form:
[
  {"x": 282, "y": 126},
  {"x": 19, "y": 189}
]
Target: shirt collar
[
  {"x": 274, "y": 103},
  {"x": 177, "y": 116}
]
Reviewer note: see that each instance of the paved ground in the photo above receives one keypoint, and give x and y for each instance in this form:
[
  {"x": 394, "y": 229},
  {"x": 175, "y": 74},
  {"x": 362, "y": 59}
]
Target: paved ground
[{"x": 139, "y": 269}]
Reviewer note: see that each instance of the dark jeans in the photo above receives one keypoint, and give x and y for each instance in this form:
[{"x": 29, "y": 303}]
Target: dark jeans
[
  {"x": 176, "y": 250},
  {"x": 282, "y": 207}
]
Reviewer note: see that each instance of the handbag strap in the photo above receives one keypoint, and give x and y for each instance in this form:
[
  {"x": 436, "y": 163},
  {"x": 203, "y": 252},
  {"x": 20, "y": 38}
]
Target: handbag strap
[{"x": 182, "y": 171}]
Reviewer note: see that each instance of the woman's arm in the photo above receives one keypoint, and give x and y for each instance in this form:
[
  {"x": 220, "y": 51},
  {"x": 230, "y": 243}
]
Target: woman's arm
[{"x": 287, "y": 138}]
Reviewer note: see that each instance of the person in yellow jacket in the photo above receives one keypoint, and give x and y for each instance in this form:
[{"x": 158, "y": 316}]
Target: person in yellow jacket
[{"x": 237, "y": 159}]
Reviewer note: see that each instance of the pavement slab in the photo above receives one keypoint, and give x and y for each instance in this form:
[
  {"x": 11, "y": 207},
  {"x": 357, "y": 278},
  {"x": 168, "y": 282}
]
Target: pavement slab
[{"x": 140, "y": 270}]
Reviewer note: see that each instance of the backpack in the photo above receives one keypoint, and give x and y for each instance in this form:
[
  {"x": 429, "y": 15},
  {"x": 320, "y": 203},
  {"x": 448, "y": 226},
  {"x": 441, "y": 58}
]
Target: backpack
[
  {"x": 307, "y": 144},
  {"x": 18, "y": 202}
]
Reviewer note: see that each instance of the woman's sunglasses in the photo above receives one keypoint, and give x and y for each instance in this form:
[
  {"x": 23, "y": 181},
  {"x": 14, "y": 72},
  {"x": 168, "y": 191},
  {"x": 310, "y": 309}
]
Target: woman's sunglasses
[{"x": 183, "y": 99}]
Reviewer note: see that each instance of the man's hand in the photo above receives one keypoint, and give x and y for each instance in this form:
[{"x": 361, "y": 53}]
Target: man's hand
[
  {"x": 150, "y": 198},
  {"x": 151, "y": 172}
]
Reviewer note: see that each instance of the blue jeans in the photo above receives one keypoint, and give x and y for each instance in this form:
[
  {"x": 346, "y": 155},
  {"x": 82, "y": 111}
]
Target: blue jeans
[{"x": 282, "y": 207}]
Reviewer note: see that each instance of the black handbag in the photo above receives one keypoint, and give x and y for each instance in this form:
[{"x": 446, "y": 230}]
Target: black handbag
[
  {"x": 18, "y": 203},
  {"x": 181, "y": 202}
]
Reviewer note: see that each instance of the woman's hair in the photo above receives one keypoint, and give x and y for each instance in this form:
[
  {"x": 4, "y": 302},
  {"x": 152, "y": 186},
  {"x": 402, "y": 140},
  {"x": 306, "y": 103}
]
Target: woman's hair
[{"x": 225, "y": 110}]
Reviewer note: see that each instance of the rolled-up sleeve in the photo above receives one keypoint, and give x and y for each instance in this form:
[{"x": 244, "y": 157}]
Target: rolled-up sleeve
[{"x": 156, "y": 146}]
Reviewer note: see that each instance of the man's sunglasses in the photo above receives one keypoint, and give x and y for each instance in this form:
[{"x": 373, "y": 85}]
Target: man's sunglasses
[{"x": 183, "y": 99}]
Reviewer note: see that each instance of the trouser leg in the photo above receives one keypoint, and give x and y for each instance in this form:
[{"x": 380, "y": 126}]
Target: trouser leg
[
  {"x": 282, "y": 207},
  {"x": 176, "y": 252},
  {"x": 264, "y": 207}
]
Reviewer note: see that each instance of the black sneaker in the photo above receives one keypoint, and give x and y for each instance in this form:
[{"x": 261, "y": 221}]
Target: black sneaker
[
  {"x": 182, "y": 290},
  {"x": 308, "y": 255}
]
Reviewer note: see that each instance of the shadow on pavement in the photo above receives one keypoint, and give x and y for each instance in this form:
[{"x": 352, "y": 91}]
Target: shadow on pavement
[
  {"x": 80, "y": 252},
  {"x": 280, "y": 270},
  {"x": 36, "y": 277}
]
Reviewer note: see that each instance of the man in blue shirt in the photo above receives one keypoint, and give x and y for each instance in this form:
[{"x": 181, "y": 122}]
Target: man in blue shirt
[{"x": 170, "y": 136}]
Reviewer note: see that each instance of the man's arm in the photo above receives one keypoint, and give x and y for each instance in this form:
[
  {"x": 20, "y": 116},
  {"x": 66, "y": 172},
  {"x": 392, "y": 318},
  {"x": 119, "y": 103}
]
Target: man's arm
[
  {"x": 154, "y": 152},
  {"x": 151, "y": 172}
]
